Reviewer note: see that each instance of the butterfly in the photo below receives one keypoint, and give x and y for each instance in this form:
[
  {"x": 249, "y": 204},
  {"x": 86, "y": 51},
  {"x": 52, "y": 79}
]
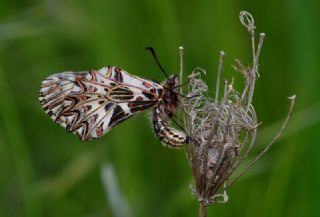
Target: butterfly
[{"x": 89, "y": 104}]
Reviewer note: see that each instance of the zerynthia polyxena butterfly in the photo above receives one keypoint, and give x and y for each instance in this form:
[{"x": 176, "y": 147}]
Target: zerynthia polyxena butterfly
[{"x": 89, "y": 104}]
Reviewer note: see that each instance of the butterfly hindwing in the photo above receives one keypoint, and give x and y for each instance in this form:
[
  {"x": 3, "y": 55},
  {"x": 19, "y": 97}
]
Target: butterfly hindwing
[{"x": 89, "y": 104}]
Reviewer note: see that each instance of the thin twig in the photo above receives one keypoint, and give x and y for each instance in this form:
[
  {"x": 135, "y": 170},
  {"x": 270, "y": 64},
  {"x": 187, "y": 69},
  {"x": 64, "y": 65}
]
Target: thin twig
[
  {"x": 261, "y": 40},
  {"x": 285, "y": 123},
  {"x": 219, "y": 76},
  {"x": 254, "y": 70},
  {"x": 252, "y": 142},
  {"x": 181, "y": 54}
]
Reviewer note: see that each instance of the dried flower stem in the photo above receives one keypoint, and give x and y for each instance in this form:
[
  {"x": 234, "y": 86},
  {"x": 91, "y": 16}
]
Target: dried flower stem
[
  {"x": 219, "y": 76},
  {"x": 181, "y": 54},
  {"x": 203, "y": 210},
  {"x": 254, "y": 69}
]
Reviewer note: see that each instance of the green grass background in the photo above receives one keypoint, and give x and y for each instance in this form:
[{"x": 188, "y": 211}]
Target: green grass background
[{"x": 45, "y": 171}]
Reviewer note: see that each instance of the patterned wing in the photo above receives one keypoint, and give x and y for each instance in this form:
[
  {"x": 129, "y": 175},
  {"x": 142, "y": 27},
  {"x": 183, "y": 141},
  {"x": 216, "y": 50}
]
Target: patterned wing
[{"x": 89, "y": 104}]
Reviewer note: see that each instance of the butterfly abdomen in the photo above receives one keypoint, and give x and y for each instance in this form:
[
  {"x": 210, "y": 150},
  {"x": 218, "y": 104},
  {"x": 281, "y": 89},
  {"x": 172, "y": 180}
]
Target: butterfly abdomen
[{"x": 167, "y": 135}]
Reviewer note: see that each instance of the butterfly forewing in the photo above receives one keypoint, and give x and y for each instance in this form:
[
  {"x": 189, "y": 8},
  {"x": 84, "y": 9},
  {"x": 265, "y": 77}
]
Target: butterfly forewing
[{"x": 90, "y": 103}]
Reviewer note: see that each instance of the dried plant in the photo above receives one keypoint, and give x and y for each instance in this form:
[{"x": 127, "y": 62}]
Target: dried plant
[{"x": 222, "y": 128}]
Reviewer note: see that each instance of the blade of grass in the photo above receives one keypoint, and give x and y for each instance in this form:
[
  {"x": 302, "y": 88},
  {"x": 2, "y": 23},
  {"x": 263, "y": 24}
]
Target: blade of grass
[
  {"x": 169, "y": 27},
  {"x": 273, "y": 204},
  {"x": 118, "y": 204},
  {"x": 13, "y": 133},
  {"x": 71, "y": 174}
]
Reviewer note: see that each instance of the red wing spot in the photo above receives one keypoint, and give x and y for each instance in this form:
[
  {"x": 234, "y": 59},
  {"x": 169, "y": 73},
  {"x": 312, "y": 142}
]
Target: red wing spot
[
  {"x": 88, "y": 108},
  {"x": 92, "y": 89},
  {"x": 79, "y": 77},
  {"x": 148, "y": 95},
  {"x": 99, "y": 131},
  {"x": 84, "y": 108},
  {"x": 93, "y": 119},
  {"x": 83, "y": 97},
  {"x": 131, "y": 105},
  {"x": 146, "y": 84},
  {"x": 118, "y": 74},
  {"x": 139, "y": 98}
]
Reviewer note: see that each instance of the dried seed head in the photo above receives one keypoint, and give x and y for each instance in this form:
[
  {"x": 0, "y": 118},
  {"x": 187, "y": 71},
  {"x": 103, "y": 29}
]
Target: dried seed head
[
  {"x": 247, "y": 20},
  {"x": 217, "y": 130},
  {"x": 223, "y": 128}
]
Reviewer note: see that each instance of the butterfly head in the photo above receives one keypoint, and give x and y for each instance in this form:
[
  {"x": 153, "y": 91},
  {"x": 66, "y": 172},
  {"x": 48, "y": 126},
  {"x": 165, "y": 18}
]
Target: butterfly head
[
  {"x": 170, "y": 97},
  {"x": 172, "y": 82}
]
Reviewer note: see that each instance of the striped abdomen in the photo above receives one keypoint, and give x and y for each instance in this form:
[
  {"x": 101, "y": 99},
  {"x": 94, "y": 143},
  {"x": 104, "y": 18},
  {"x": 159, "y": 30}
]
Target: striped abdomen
[{"x": 168, "y": 136}]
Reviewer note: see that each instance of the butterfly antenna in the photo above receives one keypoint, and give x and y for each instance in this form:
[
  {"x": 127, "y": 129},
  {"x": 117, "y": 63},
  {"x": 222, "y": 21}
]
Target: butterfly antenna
[{"x": 157, "y": 60}]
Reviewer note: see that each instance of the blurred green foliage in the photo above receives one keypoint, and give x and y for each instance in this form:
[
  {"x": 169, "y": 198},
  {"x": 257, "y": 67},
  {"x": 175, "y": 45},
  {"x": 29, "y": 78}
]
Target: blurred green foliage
[{"x": 48, "y": 172}]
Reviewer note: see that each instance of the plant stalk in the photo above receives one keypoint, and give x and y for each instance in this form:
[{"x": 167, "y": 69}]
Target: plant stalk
[{"x": 203, "y": 210}]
